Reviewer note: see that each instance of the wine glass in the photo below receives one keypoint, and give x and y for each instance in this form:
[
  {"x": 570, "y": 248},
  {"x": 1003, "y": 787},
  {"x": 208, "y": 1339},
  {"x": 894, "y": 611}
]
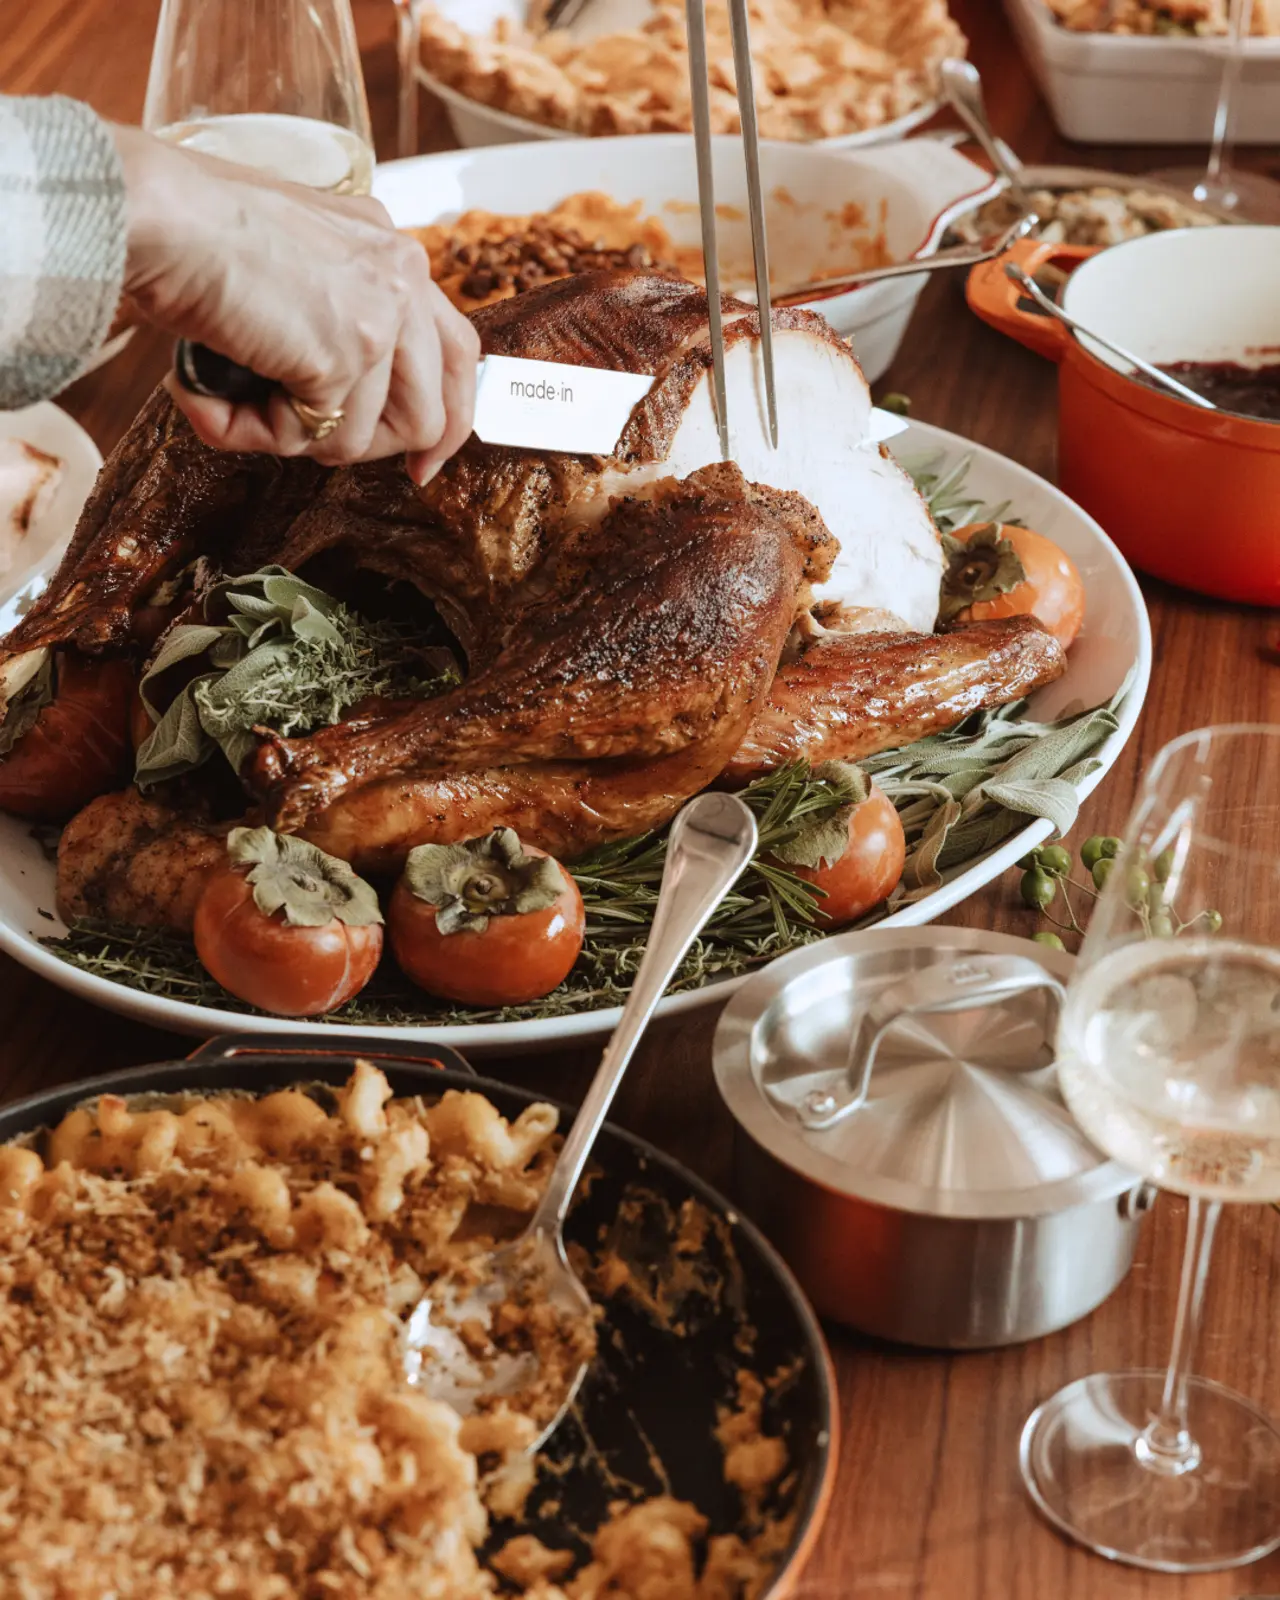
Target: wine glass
[
  {"x": 1169, "y": 1058},
  {"x": 1221, "y": 183},
  {"x": 272, "y": 84}
]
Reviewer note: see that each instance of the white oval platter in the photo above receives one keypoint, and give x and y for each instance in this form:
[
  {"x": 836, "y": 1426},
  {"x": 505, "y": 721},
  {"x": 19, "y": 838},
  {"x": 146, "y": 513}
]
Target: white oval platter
[{"x": 1114, "y": 644}]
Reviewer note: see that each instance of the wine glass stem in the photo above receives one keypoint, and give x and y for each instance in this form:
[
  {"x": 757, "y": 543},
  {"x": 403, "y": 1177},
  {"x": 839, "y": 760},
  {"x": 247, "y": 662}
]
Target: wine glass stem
[
  {"x": 1220, "y": 151},
  {"x": 1166, "y": 1445},
  {"x": 409, "y": 53}
]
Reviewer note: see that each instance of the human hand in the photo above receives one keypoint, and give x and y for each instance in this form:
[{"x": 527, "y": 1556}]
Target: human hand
[{"x": 316, "y": 292}]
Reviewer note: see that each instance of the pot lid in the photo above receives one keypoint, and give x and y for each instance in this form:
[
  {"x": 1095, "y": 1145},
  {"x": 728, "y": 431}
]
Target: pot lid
[{"x": 914, "y": 1068}]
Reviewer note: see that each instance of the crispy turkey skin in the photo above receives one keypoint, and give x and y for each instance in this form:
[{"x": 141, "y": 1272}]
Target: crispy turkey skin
[
  {"x": 662, "y": 630},
  {"x": 623, "y": 619}
]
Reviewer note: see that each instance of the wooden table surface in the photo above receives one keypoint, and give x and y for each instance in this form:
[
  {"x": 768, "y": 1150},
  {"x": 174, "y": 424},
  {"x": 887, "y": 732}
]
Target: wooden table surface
[{"x": 928, "y": 1504}]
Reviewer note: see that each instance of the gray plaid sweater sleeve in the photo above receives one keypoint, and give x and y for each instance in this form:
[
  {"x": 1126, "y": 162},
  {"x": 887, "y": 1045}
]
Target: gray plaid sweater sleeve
[{"x": 62, "y": 243}]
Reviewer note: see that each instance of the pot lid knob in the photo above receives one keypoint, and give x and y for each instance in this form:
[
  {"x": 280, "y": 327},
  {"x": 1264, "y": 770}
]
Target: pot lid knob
[{"x": 966, "y": 985}]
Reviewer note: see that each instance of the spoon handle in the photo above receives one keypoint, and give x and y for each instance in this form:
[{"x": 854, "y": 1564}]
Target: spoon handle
[
  {"x": 956, "y": 255},
  {"x": 963, "y": 88},
  {"x": 1162, "y": 380},
  {"x": 711, "y": 841}
]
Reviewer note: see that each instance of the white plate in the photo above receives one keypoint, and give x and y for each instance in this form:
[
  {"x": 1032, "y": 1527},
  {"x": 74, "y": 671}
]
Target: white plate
[
  {"x": 50, "y": 429},
  {"x": 910, "y": 190},
  {"x": 1116, "y": 639}
]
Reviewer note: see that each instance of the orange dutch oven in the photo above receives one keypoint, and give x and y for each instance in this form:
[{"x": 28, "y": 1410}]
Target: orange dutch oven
[{"x": 1189, "y": 495}]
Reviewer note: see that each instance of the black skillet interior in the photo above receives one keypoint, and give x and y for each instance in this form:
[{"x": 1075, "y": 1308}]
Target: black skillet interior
[{"x": 646, "y": 1418}]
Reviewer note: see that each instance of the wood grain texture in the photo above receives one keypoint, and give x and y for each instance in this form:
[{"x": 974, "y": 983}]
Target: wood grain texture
[{"x": 928, "y": 1504}]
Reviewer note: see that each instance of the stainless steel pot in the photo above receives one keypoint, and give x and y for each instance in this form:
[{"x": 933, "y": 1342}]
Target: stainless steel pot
[{"x": 901, "y": 1138}]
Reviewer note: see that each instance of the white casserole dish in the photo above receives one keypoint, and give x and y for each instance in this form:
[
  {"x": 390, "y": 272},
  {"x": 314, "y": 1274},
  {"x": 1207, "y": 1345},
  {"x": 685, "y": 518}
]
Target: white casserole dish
[
  {"x": 475, "y": 124},
  {"x": 1105, "y": 88},
  {"x": 916, "y": 187}
]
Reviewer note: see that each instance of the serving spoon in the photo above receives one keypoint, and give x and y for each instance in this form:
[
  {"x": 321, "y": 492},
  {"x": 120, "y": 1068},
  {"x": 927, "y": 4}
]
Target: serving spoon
[
  {"x": 1162, "y": 380},
  {"x": 711, "y": 841},
  {"x": 959, "y": 255}
]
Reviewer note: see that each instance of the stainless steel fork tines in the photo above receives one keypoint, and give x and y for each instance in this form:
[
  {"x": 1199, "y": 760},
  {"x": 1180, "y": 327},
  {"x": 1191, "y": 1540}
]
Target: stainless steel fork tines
[{"x": 696, "y": 14}]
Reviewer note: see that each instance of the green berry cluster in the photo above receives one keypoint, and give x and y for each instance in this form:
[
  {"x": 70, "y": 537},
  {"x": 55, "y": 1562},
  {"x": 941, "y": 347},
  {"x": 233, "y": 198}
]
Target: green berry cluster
[{"x": 1047, "y": 880}]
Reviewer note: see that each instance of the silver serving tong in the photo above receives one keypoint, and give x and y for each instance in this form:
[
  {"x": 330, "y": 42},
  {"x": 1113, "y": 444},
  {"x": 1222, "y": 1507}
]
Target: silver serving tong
[{"x": 696, "y": 13}]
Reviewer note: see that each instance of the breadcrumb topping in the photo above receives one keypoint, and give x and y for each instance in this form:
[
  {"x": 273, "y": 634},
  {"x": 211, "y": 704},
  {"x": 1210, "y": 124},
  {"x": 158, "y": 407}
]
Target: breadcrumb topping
[{"x": 202, "y": 1388}]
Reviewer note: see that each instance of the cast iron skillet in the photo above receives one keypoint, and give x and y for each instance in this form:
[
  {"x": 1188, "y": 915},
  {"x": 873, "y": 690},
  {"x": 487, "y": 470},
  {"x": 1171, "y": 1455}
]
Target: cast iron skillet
[{"x": 644, "y": 1425}]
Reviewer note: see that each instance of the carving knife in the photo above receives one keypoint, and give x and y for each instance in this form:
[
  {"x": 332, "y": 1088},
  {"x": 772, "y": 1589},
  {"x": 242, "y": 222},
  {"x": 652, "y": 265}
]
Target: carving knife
[
  {"x": 534, "y": 405},
  {"x": 538, "y": 405}
]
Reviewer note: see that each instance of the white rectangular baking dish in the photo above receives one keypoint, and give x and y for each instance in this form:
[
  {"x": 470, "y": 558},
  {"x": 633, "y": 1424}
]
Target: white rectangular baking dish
[{"x": 1105, "y": 88}]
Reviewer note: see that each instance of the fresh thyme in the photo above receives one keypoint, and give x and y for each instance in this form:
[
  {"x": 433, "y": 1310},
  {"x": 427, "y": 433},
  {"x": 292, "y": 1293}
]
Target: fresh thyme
[{"x": 769, "y": 911}]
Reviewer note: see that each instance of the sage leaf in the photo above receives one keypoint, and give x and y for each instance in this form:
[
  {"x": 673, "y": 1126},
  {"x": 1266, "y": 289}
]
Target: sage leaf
[
  {"x": 306, "y": 622},
  {"x": 183, "y": 643},
  {"x": 32, "y": 688},
  {"x": 176, "y": 744}
]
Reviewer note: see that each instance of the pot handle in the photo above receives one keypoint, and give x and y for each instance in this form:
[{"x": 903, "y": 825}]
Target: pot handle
[
  {"x": 228, "y": 1045},
  {"x": 999, "y": 301},
  {"x": 961, "y": 986}
]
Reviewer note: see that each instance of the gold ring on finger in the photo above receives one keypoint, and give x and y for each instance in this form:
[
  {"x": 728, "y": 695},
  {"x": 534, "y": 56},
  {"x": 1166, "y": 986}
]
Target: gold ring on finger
[{"x": 316, "y": 424}]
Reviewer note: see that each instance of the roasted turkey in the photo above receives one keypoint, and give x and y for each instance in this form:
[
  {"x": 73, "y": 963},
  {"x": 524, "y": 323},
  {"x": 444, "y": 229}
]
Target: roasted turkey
[{"x": 635, "y": 628}]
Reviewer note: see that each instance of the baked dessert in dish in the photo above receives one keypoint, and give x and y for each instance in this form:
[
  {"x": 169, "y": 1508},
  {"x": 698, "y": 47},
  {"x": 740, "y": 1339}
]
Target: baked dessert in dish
[
  {"x": 202, "y": 1390},
  {"x": 824, "y": 67},
  {"x": 1170, "y": 17}
]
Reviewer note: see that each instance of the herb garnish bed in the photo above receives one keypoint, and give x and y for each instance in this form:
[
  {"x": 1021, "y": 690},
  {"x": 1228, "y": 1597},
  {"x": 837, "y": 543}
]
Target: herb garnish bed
[{"x": 959, "y": 794}]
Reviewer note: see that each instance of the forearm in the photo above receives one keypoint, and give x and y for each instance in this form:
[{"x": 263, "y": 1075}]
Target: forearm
[{"x": 63, "y": 240}]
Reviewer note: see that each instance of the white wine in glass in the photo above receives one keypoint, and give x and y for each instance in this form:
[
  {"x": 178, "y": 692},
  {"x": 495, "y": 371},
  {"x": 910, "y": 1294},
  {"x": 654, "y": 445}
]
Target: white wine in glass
[
  {"x": 270, "y": 84},
  {"x": 1169, "y": 1058}
]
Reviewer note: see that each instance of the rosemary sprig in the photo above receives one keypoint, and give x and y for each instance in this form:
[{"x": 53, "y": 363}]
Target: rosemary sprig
[{"x": 950, "y": 504}]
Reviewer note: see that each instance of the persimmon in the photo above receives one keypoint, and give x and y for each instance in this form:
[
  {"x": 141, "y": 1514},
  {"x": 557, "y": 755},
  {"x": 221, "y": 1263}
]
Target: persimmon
[
  {"x": 489, "y": 922},
  {"x": 997, "y": 570},
  {"x": 287, "y": 927},
  {"x": 856, "y": 857}
]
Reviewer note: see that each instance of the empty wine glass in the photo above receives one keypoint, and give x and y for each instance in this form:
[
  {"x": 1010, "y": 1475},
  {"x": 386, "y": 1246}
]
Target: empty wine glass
[
  {"x": 1169, "y": 1058},
  {"x": 272, "y": 84},
  {"x": 1221, "y": 182}
]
